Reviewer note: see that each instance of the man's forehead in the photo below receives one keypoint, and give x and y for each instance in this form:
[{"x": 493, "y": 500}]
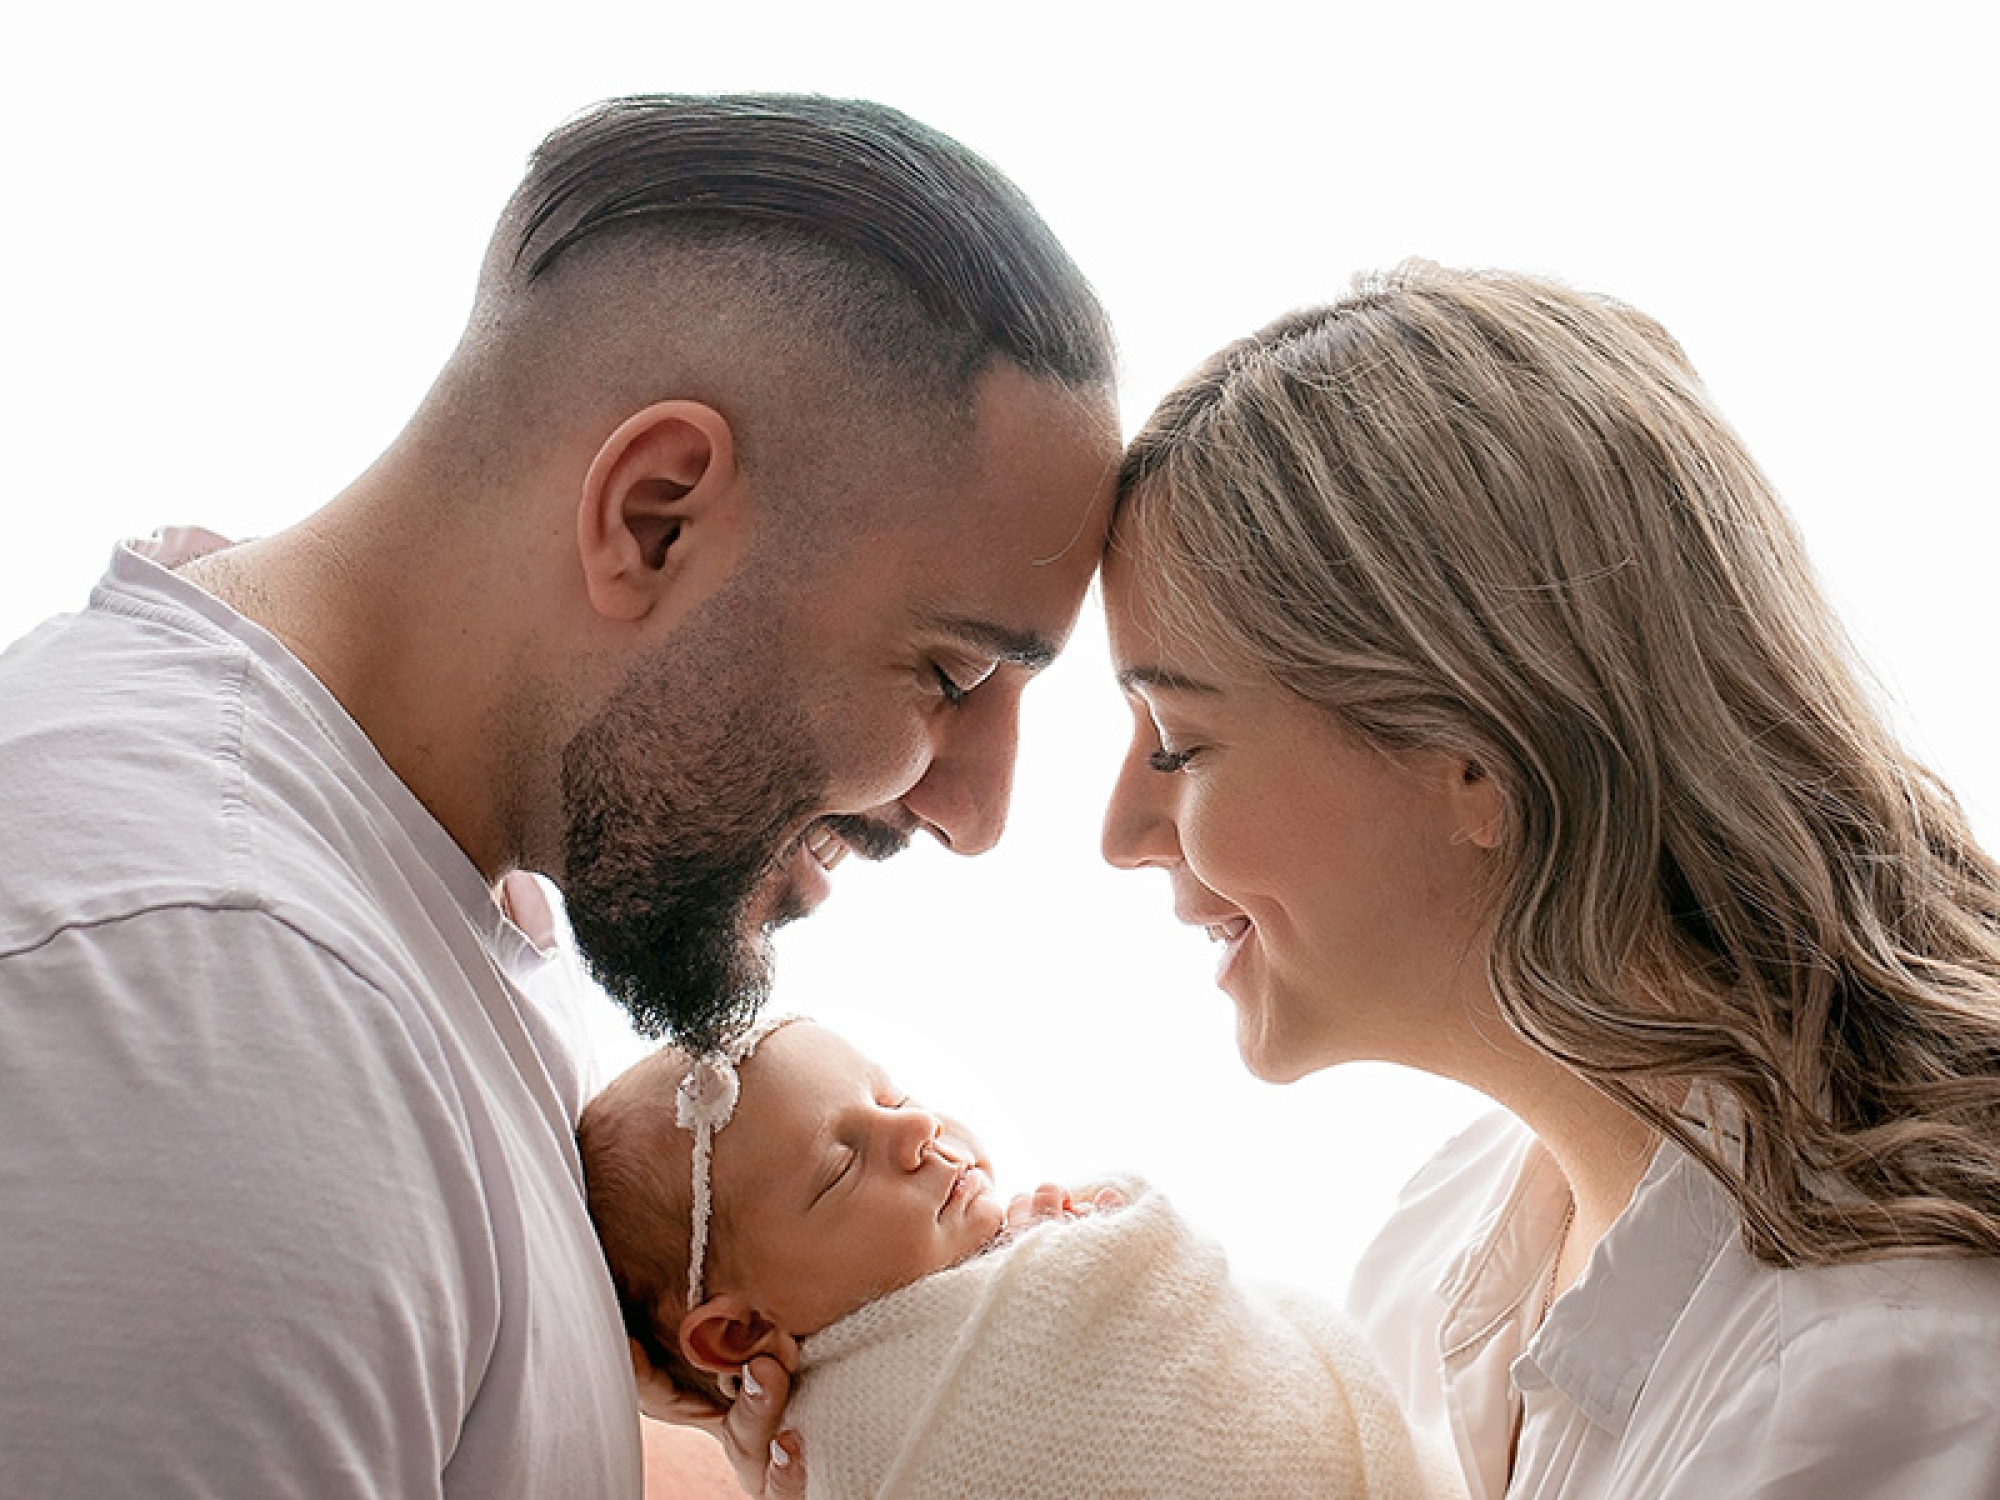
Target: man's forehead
[
  {"x": 996, "y": 557},
  {"x": 1036, "y": 441}
]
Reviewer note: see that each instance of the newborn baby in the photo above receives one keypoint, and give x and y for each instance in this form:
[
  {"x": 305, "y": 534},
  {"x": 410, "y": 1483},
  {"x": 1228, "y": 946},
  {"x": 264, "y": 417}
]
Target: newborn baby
[{"x": 946, "y": 1343}]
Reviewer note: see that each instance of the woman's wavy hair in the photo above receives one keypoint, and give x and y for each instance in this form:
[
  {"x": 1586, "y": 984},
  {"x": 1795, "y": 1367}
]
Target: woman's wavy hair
[{"x": 1485, "y": 512}]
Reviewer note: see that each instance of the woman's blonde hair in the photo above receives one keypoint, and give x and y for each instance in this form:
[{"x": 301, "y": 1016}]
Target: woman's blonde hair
[{"x": 1485, "y": 512}]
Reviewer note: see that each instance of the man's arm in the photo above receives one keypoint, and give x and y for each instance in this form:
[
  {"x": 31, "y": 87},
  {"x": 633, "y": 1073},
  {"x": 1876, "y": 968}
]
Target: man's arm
[{"x": 228, "y": 1199}]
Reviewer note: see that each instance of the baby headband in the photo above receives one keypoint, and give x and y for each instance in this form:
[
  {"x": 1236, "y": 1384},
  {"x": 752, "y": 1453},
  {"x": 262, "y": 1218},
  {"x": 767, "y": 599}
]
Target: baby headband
[{"x": 704, "y": 1102}]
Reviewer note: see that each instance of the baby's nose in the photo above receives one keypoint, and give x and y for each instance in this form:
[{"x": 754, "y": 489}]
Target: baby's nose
[{"x": 916, "y": 1132}]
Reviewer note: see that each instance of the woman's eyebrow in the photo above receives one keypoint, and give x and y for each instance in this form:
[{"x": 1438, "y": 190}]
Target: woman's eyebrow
[{"x": 1162, "y": 679}]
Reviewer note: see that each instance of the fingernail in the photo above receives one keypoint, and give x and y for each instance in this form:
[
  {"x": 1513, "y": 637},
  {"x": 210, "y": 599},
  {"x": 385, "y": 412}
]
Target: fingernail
[
  {"x": 750, "y": 1386},
  {"x": 780, "y": 1459}
]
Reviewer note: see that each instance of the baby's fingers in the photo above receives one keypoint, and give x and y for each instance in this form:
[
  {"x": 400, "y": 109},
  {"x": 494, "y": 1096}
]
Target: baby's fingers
[{"x": 1049, "y": 1201}]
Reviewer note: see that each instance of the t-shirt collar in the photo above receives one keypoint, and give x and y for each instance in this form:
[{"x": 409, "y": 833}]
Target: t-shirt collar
[{"x": 142, "y": 569}]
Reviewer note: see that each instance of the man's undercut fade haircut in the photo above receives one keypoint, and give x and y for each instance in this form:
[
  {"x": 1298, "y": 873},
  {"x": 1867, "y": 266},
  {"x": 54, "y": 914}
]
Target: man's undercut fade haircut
[{"x": 856, "y": 178}]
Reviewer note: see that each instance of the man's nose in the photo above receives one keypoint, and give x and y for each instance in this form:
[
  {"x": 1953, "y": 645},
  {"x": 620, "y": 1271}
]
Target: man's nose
[{"x": 963, "y": 795}]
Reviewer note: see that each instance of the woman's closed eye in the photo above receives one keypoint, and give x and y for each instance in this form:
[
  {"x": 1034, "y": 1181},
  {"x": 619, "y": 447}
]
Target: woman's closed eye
[{"x": 1163, "y": 757}]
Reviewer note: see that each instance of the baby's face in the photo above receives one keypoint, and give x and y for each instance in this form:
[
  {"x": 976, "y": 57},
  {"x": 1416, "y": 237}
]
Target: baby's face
[{"x": 834, "y": 1188}]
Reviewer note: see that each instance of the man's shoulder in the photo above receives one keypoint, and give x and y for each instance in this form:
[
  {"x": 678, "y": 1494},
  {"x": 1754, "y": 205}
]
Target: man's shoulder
[
  {"x": 114, "y": 772},
  {"x": 147, "y": 763}
]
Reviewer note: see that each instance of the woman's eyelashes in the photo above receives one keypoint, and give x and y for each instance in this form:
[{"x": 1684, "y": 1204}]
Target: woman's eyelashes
[{"x": 1164, "y": 757}]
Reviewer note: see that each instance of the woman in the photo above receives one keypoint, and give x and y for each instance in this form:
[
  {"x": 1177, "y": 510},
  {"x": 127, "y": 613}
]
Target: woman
[{"x": 1489, "y": 716}]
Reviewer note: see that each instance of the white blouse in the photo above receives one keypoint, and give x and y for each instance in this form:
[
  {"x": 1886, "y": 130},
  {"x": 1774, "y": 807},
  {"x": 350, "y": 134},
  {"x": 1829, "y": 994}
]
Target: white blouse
[{"x": 1677, "y": 1367}]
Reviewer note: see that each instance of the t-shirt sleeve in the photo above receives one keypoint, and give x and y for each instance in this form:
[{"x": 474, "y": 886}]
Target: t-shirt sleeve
[{"x": 243, "y": 1249}]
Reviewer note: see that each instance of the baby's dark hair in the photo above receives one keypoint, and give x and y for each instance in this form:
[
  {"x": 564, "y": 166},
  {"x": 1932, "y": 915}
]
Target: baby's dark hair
[{"x": 637, "y": 1181}]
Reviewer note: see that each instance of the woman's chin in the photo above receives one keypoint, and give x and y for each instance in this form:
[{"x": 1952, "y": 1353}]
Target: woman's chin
[
  {"x": 1267, "y": 1057},
  {"x": 1275, "y": 1052}
]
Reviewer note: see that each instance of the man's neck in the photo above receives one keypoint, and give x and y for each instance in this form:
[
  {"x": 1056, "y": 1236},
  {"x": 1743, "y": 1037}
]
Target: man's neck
[{"x": 403, "y": 640}]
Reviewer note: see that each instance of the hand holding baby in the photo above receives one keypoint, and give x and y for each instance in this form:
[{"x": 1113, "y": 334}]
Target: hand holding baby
[{"x": 766, "y": 1459}]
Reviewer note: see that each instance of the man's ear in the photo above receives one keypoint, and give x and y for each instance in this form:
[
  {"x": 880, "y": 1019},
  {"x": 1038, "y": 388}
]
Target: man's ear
[
  {"x": 723, "y": 1334},
  {"x": 664, "y": 514}
]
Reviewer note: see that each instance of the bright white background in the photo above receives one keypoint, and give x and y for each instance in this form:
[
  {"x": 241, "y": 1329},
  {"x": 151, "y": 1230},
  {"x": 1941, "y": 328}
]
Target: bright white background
[{"x": 238, "y": 240}]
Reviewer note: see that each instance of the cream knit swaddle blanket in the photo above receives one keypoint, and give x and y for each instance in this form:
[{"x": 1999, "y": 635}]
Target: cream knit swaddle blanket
[{"x": 1107, "y": 1357}]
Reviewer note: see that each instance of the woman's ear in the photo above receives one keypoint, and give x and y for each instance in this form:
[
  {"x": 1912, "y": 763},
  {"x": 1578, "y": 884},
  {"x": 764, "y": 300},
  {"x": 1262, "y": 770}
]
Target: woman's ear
[
  {"x": 664, "y": 515},
  {"x": 1480, "y": 811},
  {"x": 725, "y": 1332}
]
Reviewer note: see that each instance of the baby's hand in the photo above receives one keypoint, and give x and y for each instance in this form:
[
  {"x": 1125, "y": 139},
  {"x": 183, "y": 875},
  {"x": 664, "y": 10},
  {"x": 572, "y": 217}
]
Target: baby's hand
[{"x": 1053, "y": 1202}]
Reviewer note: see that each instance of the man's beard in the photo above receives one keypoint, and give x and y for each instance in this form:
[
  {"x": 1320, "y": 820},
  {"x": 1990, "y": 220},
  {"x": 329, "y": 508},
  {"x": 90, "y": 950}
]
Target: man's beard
[{"x": 681, "y": 802}]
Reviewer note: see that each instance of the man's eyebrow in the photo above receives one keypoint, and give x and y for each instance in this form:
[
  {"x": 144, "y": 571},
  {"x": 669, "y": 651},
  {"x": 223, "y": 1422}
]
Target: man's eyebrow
[
  {"x": 1022, "y": 648},
  {"x": 1162, "y": 678}
]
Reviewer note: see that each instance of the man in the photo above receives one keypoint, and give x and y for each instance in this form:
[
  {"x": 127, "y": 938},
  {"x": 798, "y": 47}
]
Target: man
[{"x": 773, "y": 462}]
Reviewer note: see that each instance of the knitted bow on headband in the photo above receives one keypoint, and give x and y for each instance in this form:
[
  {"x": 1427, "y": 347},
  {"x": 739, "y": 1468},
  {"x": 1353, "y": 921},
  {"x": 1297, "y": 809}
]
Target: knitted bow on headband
[{"x": 704, "y": 1102}]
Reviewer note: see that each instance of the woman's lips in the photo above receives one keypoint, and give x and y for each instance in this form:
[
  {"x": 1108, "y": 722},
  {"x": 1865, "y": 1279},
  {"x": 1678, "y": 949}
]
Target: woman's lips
[
  {"x": 1233, "y": 933},
  {"x": 1229, "y": 929}
]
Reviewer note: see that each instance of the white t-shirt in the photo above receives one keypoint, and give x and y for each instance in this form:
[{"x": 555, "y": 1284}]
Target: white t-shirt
[
  {"x": 1678, "y": 1367},
  {"x": 289, "y": 1199}
]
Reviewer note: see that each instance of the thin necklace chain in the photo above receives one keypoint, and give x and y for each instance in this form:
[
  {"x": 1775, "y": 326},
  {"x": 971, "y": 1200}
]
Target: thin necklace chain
[{"x": 1555, "y": 1264}]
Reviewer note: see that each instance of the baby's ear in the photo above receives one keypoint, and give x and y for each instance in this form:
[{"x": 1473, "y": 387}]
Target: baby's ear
[{"x": 723, "y": 1334}]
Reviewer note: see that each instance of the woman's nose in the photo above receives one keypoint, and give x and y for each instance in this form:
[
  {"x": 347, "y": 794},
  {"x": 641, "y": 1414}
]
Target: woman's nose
[{"x": 1138, "y": 821}]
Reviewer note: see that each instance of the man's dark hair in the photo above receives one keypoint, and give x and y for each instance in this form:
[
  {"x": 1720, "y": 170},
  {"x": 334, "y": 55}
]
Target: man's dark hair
[{"x": 858, "y": 179}]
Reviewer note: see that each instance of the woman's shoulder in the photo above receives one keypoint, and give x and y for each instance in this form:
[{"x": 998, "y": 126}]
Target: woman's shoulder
[
  {"x": 1961, "y": 1294},
  {"x": 1907, "y": 1326},
  {"x": 1876, "y": 1378}
]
